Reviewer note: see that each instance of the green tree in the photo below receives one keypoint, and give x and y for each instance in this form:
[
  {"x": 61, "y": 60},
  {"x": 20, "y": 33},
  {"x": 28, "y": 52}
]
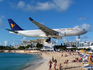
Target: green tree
[
  {"x": 62, "y": 47},
  {"x": 7, "y": 48},
  {"x": 12, "y": 48},
  {"x": 21, "y": 48},
  {"x": 58, "y": 46},
  {"x": 73, "y": 46},
  {"x": 39, "y": 46},
  {"x": 28, "y": 46},
  {"x": 61, "y": 44},
  {"x": 92, "y": 44}
]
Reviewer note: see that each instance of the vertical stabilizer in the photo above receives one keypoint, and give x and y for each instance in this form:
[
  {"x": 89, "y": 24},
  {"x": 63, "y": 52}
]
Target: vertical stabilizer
[{"x": 13, "y": 25}]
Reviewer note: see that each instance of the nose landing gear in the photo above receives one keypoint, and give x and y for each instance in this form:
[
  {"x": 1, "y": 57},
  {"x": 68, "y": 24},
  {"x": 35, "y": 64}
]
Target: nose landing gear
[{"x": 78, "y": 36}]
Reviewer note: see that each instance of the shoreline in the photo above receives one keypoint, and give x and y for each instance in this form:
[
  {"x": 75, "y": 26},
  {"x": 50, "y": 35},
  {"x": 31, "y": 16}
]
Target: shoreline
[
  {"x": 37, "y": 65},
  {"x": 30, "y": 66},
  {"x": 44, "y": 65},
  {"x": 19, "y": 51},
  {"x": 34, "y": 63}
]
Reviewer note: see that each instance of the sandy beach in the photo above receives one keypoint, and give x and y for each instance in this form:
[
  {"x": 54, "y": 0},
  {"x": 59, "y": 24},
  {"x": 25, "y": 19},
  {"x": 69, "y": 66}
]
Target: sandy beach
[{"x": 60, "y": 59}]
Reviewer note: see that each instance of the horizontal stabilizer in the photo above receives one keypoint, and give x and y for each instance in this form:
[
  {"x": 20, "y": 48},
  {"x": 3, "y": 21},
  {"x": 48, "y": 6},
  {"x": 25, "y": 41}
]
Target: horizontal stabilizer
[{"x": 12, "y": 31}]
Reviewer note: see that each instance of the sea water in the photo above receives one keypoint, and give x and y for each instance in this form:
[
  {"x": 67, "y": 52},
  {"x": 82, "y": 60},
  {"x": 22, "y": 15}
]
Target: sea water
[{"x": 16, "y": 61}]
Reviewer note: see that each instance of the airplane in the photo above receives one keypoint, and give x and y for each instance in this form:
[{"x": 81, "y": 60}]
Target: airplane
[{"x": 44, "y": 31}]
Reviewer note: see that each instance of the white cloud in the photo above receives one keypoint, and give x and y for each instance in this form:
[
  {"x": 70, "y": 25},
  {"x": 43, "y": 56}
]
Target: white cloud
[
  {"x": 13, "y": 44},
  {"x": 21, "y": 4},
  {"x": 77, "y": 39},
  {"x": 1, "y": 23},
  {"x": 24, "y": 38},
  {"x": 20, "y": 40},
  {"x": 62, "y": 5},
  {"x": 0, "y": 44},
  {"x": 86, "y": 27},
  {"x": 1, "y": 0},
  {"x": 2, "y": 16},
  {"x": 64, "y": 39},
  {"x": 5, "y": 43},
  {"x": 44, "y": 6},
  {"x": 82, "y": 18},
  {"x": 59, "y": 5},
  {"x": 90, "y": 40},
  {"x": 83, "y": 37},
  {"x": 76, "y": 26},
  {"x": 56, "y": 41}
]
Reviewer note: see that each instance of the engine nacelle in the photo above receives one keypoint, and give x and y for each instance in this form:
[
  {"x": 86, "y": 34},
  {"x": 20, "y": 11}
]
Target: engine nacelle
[{"x": 62, "y": 34}]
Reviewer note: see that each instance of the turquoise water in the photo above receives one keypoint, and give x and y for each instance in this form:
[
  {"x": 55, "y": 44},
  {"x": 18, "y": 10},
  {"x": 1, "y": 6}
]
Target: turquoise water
[{"x": 15, "y": 61}]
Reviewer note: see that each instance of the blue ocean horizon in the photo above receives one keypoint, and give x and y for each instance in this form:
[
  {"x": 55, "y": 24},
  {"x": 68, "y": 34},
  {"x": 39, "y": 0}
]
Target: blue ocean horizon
[{"x": 16, "y": 61}]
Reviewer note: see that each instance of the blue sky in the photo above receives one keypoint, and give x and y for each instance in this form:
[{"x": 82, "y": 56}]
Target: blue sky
[{"x": 51, "y": 13}]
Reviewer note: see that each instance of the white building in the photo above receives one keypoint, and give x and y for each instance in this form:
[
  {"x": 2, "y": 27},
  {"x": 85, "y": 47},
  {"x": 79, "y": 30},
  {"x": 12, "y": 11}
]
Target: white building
[
  {"x": 77, "y": 43},
  {"x": 47, "y": 46}
]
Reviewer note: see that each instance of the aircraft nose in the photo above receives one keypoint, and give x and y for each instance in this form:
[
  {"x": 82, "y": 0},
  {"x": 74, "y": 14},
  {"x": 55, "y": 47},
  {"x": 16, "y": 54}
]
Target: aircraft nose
[{"x": 85, "y": 30}]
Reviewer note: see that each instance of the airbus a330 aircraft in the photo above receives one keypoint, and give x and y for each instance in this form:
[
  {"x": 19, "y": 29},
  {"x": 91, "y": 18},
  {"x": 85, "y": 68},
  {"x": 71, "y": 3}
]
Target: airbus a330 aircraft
[{"x": 44, "y": 31}]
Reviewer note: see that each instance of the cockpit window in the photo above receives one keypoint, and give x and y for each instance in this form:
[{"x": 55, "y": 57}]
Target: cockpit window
[{"x": 84, "y": 29}]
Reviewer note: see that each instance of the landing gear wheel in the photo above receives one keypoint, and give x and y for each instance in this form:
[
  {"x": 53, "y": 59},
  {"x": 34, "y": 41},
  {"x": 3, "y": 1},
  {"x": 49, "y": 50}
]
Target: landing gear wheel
[
  {"x": 48, "y": 40},
  {"x": 79, "y": 37}
]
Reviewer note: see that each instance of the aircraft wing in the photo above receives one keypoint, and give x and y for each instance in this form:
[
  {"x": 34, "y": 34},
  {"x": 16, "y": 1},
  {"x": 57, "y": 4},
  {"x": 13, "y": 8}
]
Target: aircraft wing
[{"x": 45, "y": 29}]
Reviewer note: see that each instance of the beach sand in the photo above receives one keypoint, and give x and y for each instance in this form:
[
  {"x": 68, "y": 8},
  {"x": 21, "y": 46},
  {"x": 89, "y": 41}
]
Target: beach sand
[{"x": 60, "y": 59}]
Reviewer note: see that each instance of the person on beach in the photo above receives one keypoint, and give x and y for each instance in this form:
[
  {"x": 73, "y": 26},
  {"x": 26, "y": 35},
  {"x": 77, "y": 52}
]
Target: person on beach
[
  {"x": 55, "y": 64},
  {"x": 62, "y": 55},
  {"x": 85, "y": 58},
  {"x": 65, "y": 55},
  {"x": 76, "y": 60},
  {"x": 41, "y": 54},
  {"x": 50, "y": 64},
  {"x": 55, "y": 61},
  {"x": 73, "y": 61},
  {"x": 80, "y": 59},
  {"x": 59, "y": 67},
  {"x": 52, "y": 59},
  {"x": 66, "y": 61}
]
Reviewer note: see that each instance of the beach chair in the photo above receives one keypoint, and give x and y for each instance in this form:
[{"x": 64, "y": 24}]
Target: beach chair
[{"x": 88, "y": 67}]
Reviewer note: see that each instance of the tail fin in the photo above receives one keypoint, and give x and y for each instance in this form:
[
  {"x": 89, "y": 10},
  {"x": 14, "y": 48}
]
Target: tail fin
[{"x": 13, "y": 25}]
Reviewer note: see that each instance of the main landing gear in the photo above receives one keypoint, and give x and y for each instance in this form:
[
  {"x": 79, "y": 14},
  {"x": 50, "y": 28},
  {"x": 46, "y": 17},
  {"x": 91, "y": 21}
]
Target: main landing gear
[{"x": 48, "y": 40}]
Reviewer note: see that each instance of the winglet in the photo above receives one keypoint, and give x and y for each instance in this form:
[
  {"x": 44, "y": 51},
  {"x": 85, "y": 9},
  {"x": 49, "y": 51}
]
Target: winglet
[{"x": 30, "y": 19}]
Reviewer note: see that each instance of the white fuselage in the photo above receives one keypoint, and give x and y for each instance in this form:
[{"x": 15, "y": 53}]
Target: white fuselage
[{"x": 62, "y": 32}]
